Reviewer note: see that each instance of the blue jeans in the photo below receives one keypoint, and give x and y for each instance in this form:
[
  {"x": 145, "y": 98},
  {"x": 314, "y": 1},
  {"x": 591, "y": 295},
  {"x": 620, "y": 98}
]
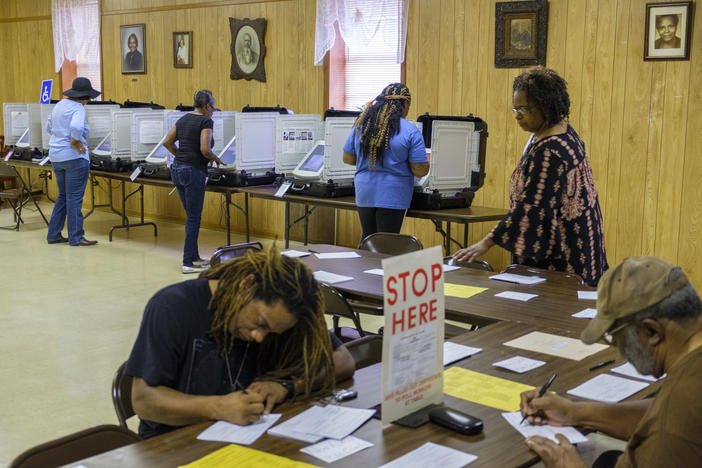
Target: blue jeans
[
  {"x": 71, "y": 178},
  {"x": 190, "y": 182}
]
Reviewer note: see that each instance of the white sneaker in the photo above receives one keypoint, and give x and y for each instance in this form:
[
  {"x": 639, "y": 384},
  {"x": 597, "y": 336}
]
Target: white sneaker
[
  {"x": 193, "y": 269},
  {"x": 202, "y": 262}
]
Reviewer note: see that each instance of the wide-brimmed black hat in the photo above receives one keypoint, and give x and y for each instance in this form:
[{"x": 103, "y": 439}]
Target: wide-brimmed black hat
[{"x": 81, "y": 88}]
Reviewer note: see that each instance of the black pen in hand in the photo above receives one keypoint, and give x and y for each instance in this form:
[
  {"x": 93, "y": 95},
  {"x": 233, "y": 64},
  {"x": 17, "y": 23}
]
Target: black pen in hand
[{"x": 542, "y": 392}]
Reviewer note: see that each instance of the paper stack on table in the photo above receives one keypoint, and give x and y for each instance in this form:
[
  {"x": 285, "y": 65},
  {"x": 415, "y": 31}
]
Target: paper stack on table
[
  {"x": 331, "y": 450},
  {"x": 455, "y": 352},
  {"x": 330, "y": 278},
  {"x": 555, "y": 345},
  {"x": 520, "y": 279},
  {"x": 519, "y": 364},
  {"x": 432, "y": 455},
  {"x": 528, "y": 430},
  {"x": 483, "y": 389},
  {"x": 325, "y": 256},
  {"x": 629, "y": 370},
  {"x": 318, "y": 422},
  {"x": 223, "y": 431},
  {"x": 608, "y": 388}
]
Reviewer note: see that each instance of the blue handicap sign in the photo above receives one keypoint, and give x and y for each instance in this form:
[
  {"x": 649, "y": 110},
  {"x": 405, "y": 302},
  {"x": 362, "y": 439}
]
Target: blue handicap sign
[{"x": 46, "y": 91}]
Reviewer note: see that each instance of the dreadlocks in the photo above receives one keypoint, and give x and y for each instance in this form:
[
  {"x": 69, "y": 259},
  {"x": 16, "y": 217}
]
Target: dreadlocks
[
  {"x": 302, "y": 352},
  {"x": 380, "y": 120}
]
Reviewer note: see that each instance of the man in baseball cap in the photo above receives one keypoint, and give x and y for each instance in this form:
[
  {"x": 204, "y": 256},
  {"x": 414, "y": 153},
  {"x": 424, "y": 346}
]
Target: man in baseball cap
[{"x": 649, "y": 310}]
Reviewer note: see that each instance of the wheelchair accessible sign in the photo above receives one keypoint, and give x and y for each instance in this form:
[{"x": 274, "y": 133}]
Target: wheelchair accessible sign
[{"x": 46, "y": 91}]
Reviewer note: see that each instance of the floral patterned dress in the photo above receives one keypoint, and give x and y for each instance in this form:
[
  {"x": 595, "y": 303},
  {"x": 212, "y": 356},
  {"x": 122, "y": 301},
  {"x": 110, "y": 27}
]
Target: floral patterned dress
[{"x": 554, "y": 221}]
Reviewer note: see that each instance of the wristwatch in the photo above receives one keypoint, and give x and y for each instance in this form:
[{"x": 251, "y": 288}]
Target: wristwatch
[{"x": 289, "y": 387}]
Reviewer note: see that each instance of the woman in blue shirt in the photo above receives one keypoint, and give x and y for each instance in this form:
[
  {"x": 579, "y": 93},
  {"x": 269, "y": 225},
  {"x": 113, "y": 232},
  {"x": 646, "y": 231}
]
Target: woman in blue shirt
[
  {"x": 71, "y": 163},
  {"x": 388, "y": 153}
]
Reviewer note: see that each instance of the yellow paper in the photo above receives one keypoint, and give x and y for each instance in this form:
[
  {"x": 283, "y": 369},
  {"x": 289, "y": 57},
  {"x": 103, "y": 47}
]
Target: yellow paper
[
  {"x": 483, "y": 389},
  {"x": 462, "y": 291},
  {"x": 243, "y": 457}
]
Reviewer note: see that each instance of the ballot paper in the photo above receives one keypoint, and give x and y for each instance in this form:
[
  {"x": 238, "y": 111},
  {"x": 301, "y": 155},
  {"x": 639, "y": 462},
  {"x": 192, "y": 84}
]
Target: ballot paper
[
  {"x": 521, "y": 279},
  {"x": 527, "y": 430},
  {"x": 294, "y": 253},
  {"x": 461, "y": 290},
  {"x": 223, "y": 431},
  {"x": 450, "y": 267},
  {"x": 483, "y": 389},
  {"x": 555, "y": 345},
  {"x": 331, "y": 450},
  {"x": 588, "y": 313},
  {"x": 608, "y": 388},
  {"x": 517, "y": 296},
  {"x": 318, "y": 422},
  {"x": 455, "y": 352},
  {"x": 240, "y": 456},
  {"x": 432, "y": 455},
  {"x": 629, "y": 370},
  {"x": 324, "y": 256},
  {"x": 587, "y": 295},
  {"x": 330, "y": 278},
  {"x": 379, "y": 271},
  {"x": 519, "y": 364}
]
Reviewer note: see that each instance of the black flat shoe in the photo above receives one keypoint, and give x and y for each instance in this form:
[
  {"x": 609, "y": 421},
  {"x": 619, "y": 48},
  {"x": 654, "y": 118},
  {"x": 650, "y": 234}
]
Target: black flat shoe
[
  {"x": 85, "y": 243},
  {"x": 60, "y": 240}
]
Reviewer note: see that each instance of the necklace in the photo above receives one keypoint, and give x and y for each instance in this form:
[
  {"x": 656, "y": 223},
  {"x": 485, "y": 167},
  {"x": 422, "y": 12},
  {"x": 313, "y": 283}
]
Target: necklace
[{"x": 234, "y": 383}]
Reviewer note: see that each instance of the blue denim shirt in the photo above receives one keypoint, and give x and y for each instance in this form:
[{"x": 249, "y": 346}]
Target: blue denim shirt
[{"x": 67, "y": 120}]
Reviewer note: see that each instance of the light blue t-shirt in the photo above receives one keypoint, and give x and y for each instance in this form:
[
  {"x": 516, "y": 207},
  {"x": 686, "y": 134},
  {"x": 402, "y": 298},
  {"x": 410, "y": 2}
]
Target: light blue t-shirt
[
  {"x": 391, "y": 183},
  {"x": 67, "y": 120}
]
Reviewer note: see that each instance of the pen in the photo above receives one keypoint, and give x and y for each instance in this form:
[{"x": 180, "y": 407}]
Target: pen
[
  {"x": 542, "y": 392},
  {"x": 601, "y": 365},
  {"x": 313, "y": 251}
]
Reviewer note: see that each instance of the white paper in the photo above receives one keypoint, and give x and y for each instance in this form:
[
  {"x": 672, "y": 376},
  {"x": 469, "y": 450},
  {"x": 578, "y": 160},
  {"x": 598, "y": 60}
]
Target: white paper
[
  {"x": 455, "y": 352},
  {"x": 332, "y": 421},
  {"x": 450, "y": 267},
  {"x": 331, "y": 450},
  {"x": 218, "y": 132},
  {"x": 587, "y": 295},
  {"x": 150, "y": 132},
  {"x": 528, "y": 430},
  {"x": 521, "y": 279},
  {"x": 555, "y": 345},
  {"x": 135, "y": 174},
  {"x": 325, "y": 256},
  {"x": 223, "y": 431},
  {"x": 517, "y": 296},
  {"x": 629, "y": 370},
  {"x": 294, "y": 253},
  {"x": 44, "y": 161},
  {"x": 283, "y": 189},
  {"x": 19, "y": 122},
  {"x": 608, "y": 388},
  {"x": 413, "y": 357},
  {"x": 519, "y": 364},
  {"x": 374, "y": 271},
  {"x": 330, "y": 278},
  {"x": 432, "y": 455},
  {"x": 588, "y": 313}
]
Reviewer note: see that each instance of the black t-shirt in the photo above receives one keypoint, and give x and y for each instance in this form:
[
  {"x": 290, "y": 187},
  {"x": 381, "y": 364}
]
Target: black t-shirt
[
  {"x": 188, "y": 130},
  {"x": 174, "y": 349}
]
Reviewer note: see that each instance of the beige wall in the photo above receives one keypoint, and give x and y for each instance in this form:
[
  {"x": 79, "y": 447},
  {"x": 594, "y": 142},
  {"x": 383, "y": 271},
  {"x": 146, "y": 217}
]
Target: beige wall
[{"x": 638, "y": 119}]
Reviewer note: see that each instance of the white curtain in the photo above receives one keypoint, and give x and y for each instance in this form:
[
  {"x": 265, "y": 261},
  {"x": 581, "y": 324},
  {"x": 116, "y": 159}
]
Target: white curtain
[
  {"x": 360, "y": 22},
  {"x": 76, "y": 30}
]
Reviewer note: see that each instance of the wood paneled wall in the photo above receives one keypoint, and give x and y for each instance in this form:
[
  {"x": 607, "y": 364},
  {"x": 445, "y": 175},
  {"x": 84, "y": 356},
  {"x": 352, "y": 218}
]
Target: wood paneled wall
[{"x": 639, "y": 119}]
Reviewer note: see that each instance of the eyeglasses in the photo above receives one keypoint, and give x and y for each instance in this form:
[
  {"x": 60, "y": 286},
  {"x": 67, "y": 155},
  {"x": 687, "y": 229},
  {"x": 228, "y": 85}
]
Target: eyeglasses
[
  {"x": 520, "y": 110},
  {"x": 608, "y": 336}
]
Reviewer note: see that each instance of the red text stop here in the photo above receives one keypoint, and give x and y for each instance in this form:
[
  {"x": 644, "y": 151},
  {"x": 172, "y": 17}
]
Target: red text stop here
[{"x": 407, "y": 287}]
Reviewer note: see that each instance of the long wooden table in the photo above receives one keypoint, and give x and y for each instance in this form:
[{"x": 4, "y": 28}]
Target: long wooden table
[
  {"x": 465, "y": 216},
  {"x": 556, "y": 302},
  {"x": 498, "y": 445}
]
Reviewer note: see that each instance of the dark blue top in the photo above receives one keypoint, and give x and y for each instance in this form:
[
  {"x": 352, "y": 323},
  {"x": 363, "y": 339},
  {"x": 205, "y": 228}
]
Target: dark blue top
[{"x": 188, "y": 130}]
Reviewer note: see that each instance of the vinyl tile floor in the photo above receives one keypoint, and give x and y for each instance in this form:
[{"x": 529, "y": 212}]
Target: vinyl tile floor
[{"x": 70, "y": 316}]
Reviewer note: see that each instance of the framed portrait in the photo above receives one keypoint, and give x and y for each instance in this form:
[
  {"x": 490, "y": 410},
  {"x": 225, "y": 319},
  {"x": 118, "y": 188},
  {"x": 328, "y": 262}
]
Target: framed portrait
[
  {"x": 520, "y": 33},
  {"x": 133, "y": 40},
  {"x": 183, "y": 49},
  {"x": 248, "y": 49},
  {"x": 668, "y": 27}
]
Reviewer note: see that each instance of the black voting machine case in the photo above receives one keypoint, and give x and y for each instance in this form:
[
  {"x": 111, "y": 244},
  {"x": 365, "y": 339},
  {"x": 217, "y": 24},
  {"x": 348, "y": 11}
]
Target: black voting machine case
[{"x": 441, "y": 192}]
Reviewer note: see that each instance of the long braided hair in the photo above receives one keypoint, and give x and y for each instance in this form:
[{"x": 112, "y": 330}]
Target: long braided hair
[
  {"x": 380, "y": 120},
  {"x": 302, "y": 352}
]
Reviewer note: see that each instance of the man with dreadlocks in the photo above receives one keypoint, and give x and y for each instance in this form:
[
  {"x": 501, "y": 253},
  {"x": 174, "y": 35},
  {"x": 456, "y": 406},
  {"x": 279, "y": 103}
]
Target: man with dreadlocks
[
  {"x": 388, "y": 153},
  {"x": 246, "y": 335}
]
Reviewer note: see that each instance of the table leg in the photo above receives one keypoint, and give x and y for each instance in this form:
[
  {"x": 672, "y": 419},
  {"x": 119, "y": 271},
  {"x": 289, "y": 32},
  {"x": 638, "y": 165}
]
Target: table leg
[
  {"x": 228, "y": 200},
  {"x": 246, "y": 217},
  {"x": 125, "y": 220},
  {"x": 286, "y": 230},
  {"x": 307, "y": 223},
  {"x": 448, "y": 238}
]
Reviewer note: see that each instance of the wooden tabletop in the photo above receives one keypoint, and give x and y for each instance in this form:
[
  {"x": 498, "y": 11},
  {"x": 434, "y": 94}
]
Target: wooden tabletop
[
  {"x": 498, "y": 445},
  {"x": 556, "y": 302}
]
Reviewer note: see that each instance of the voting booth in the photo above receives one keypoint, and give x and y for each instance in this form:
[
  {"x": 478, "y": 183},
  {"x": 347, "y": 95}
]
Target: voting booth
[
  {"x": 296, "y": 134},
  {"x": 113, "y": 152},
  {"x": 157, "y": 163},
  {"x": 329, "y": 176},
  {"x": 16, "y": 128},
  {"x": 457, "y": 164}
]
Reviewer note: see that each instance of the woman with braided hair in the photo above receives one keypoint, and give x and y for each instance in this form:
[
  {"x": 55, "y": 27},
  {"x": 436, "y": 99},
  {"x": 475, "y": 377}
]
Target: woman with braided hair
[
  {"x": 246, "y": 335},
  {"x": 388, "y": 153}
]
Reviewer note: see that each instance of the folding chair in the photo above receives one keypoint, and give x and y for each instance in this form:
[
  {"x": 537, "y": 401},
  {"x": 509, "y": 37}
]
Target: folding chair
[
  {"x": 367, "y": 350},
  {"x": 229, "y": 252},
  {"x": 18, "y": 196},
  {"x": 475, "y": 264},
  {"x": 122, "y": 395},
  {"x": 336, "y": 305},
  {"x": 74, "y": 447},
  {"x": 390, "y": 243}
]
